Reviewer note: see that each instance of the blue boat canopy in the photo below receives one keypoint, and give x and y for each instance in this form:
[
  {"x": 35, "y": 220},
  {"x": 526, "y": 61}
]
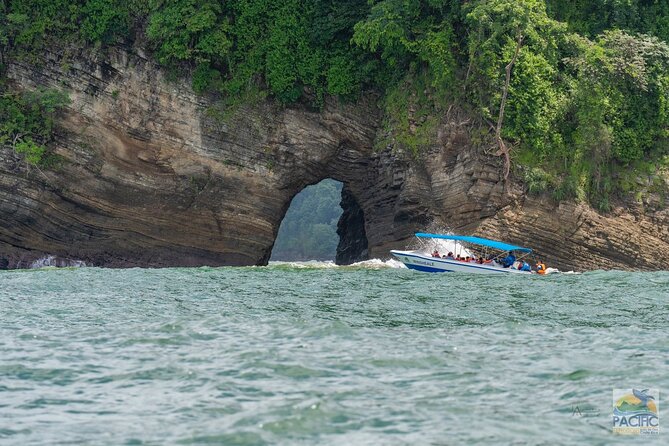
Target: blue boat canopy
[{"x": 477, "y": 241}]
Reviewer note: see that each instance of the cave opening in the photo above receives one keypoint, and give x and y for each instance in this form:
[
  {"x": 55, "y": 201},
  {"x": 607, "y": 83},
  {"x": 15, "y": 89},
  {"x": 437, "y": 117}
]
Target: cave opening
[
  {"x": 308, "y": 231},
  {"x": 324, "y": 222}
]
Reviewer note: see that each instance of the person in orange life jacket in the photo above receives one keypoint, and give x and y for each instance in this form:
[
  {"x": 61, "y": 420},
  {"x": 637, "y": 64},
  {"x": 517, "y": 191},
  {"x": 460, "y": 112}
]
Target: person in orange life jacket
[{"x": 541, "y": 267}]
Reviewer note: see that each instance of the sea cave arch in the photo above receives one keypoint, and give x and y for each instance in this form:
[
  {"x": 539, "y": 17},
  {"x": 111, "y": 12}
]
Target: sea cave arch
[{"x": 322, "y": 222}]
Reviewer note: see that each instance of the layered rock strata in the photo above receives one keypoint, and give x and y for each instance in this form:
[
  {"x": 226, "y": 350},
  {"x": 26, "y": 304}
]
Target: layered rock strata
[{"x": 154, "y": 175}]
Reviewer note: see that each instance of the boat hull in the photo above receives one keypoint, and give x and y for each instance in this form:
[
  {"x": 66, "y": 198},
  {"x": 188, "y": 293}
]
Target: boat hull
[{"x": 428, "y": 264}]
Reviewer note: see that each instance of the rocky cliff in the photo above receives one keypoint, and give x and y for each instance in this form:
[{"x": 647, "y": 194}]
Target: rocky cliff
[{"x": 155, "y": 175}]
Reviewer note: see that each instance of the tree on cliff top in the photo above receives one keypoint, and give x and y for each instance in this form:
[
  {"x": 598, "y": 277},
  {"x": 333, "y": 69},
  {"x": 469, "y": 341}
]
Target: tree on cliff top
[{"x": 498, "y": 31}]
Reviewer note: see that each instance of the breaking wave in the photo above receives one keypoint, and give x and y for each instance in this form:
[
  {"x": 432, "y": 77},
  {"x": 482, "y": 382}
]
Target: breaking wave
[
  {"x": 56, "y": 262},
  {"x": 315, "y": 264}
]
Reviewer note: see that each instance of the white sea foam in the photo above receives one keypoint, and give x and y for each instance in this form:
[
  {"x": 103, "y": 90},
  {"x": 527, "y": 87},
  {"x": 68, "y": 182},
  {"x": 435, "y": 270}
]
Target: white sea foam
[
  {"x": 379, "y": 264},
  {"x": 557, "y": 271},
  {"x": 305, "y": 264},
  {"x": 366, "y": 264},
  {"x": 428, "y": 245},
  {"x": 56, "y": 262}
]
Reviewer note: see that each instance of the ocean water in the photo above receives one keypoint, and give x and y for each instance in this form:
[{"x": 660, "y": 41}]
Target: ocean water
[{"x": 305, "y": 354}]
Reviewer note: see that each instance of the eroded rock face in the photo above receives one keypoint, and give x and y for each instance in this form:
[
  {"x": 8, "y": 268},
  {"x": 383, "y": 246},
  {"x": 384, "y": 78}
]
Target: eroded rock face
[
  {"x": 150, "y": 178},
  {"x": 352, "y": 245},
  {"x": 152, "y": 175},
  {"x": 468, "y": 196}
]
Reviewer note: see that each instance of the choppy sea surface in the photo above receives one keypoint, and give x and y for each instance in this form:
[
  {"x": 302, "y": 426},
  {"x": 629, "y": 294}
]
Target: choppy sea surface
[{"x": 311, "y": 354}]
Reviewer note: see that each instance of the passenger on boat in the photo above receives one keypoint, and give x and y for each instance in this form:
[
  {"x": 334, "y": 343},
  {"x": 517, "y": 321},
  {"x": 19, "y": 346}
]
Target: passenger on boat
[
  {"x": 509, "y": 260},
  {"x": 480, "y": 261},
  {"x": 436, "y": 254},
  {"x": 448, "y": 257},
  {"x": 541, "y": 267},
  {"x": 458, "y": 258},
  {"x": 524, "y": 266}
]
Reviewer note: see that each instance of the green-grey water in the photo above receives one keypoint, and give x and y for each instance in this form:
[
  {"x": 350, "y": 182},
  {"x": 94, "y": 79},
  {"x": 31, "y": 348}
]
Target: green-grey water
[{"x": 295, "y": 355}]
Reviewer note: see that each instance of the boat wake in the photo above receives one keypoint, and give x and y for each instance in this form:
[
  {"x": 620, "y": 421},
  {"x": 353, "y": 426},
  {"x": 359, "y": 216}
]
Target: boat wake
[{"x": 378, "y": 264}]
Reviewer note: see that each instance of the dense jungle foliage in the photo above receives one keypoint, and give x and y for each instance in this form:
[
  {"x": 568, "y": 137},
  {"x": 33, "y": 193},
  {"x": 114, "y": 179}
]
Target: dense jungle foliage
[
  {"x": 309, "y": 229},
  {"x": 27, "y": 122},
  {"x": 577, "y": 91}
]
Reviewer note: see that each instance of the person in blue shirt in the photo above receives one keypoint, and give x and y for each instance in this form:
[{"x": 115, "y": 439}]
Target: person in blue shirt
[
  {"x": 508, "y": 261},
  {"x": 525, "y": 267}
]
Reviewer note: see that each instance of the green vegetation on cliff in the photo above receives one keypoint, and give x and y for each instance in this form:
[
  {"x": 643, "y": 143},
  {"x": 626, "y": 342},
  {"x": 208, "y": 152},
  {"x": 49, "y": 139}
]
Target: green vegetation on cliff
[
  {"x": 27, "y": 123},
  {"x": 576, "y": 92}
]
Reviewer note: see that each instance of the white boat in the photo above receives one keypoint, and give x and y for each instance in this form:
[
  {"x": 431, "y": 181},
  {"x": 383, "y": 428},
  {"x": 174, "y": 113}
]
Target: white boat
[{"x": 421, "y": 260}]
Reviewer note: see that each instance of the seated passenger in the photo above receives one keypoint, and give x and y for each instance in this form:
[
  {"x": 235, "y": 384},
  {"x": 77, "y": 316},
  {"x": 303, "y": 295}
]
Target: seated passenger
[
  {"x": 541, "y": 267},
  {"x": 525, "y": 267},
  {"x": 480, "y": 261},
  {"x": 436, "y": 254},
  {"x": 450, "y": 256},
  {"x": 458, "y": 258},
  {"x": 509, "y": 260}
]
